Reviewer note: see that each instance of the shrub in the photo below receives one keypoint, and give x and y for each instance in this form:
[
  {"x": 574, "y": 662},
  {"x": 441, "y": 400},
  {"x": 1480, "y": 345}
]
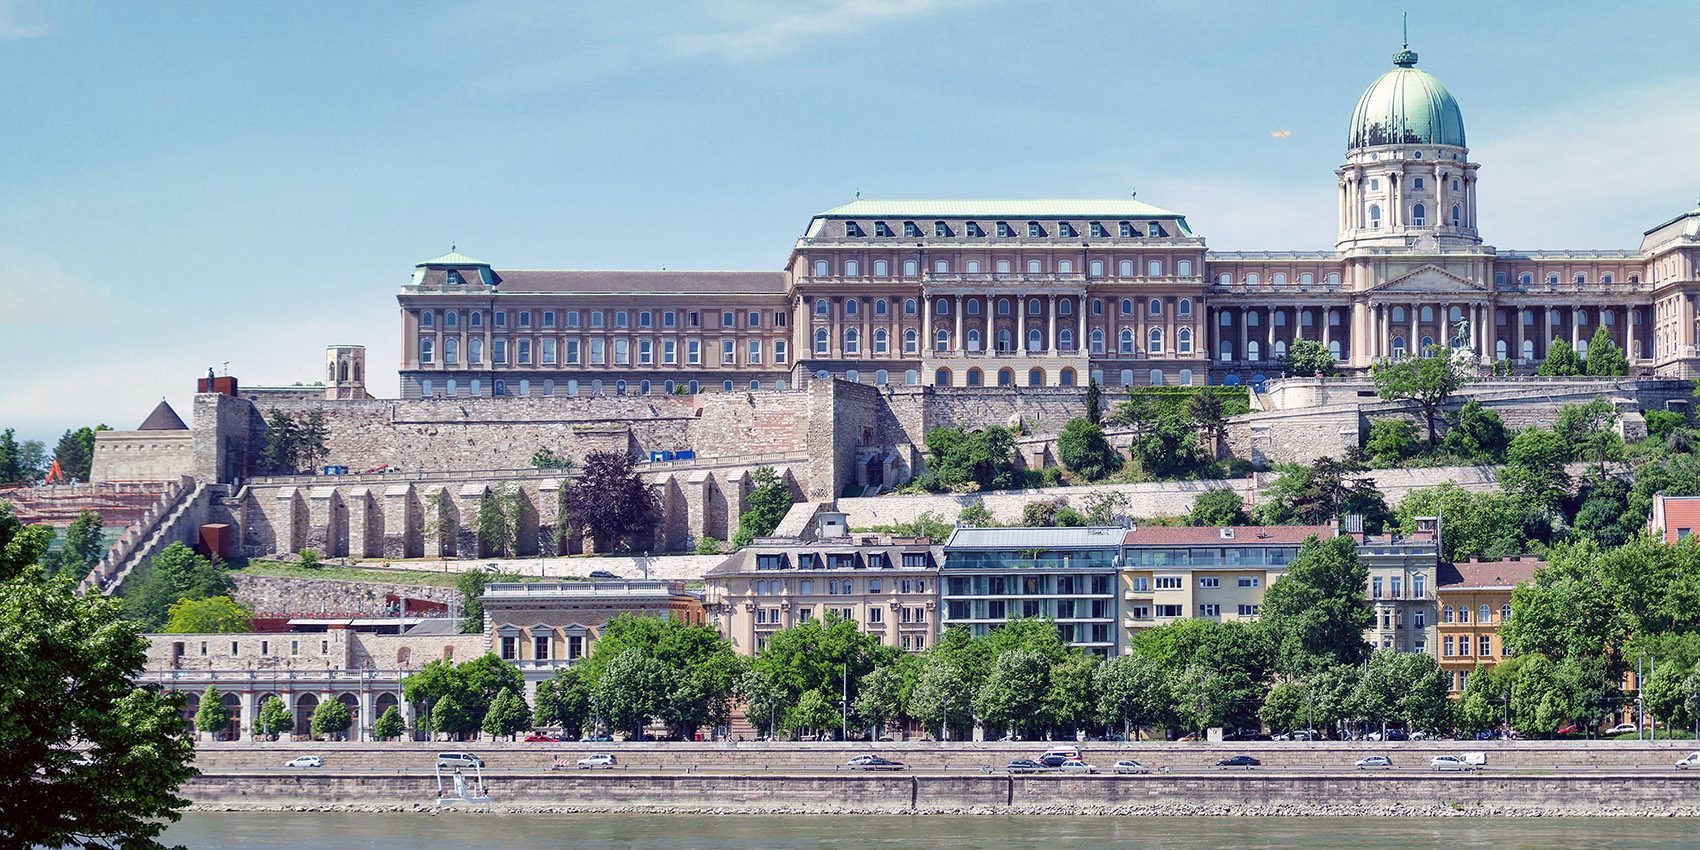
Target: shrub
[
  {"x": 1083, "y": 449},
  {"x": 309, "y": 559},
  {"x": 708, "y": 546}
]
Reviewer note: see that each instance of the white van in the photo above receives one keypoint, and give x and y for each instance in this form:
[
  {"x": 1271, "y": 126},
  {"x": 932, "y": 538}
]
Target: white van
[{"x": 459, "y": 760}]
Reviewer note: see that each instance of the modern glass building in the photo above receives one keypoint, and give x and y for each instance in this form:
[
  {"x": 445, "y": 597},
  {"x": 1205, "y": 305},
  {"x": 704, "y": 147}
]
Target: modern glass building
[{"x": 993, "y": 575}]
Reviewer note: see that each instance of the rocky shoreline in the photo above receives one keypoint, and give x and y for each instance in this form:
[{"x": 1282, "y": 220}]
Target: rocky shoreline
[{"x": 1423, "y": 810}]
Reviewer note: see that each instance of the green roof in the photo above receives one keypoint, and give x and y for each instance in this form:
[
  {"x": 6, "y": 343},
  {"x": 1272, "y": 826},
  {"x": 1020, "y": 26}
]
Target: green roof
[
  {"x": 1051, "y": 208},
  {"x": 1406, "y": 106},
  {"x": 454, "y": 258}
]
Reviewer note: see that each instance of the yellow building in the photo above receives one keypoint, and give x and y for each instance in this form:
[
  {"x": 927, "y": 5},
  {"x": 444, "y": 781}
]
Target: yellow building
[
  {"x": 1475, "y": 600},
  {"x": 1214, "y": 572}
]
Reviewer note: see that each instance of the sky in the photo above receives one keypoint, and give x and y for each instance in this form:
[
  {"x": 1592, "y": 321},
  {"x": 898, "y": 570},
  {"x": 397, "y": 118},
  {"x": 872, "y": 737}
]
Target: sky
[{"x": 195, "y": 184}]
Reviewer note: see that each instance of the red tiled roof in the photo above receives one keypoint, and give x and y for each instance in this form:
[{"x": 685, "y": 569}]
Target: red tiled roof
[
  {"x": 1211, "y": 535},
  {"x": 1487, "y": 573},
  {"x": 1681, "y": 512}
]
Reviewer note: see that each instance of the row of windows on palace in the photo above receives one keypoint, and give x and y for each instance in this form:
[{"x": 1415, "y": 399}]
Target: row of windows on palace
[
  {"x": 597, "y": 319},
  {"x": 1004, "y": 230},
  {"x": 971, "y": 307},
  {"x": 911, "y": 268}
]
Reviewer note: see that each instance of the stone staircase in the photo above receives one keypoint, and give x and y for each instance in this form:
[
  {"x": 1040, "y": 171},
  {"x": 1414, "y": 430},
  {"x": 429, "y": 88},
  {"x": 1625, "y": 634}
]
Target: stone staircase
[{"x": 168, "y": 521}]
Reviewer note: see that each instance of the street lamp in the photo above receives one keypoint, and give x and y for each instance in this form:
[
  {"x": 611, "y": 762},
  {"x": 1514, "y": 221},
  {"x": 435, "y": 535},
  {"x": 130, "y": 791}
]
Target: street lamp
[{"x": 844, "y": 702}]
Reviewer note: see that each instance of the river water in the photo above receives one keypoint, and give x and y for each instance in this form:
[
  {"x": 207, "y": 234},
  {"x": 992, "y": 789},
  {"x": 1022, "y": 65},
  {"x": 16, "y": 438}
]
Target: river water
[{"x": 423, "y": 831}]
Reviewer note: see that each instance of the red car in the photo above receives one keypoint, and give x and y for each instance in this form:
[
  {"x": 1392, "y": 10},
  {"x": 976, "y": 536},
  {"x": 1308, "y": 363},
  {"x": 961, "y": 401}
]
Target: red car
[
  {"x": 543, "y": 738},
  {"x": 1570, "y": 730}
]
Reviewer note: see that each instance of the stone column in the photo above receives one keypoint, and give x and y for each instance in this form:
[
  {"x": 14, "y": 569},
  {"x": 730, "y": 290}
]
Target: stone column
[
  {"x": 288, "y": 521},
  {"x": 398, "y": 522},
  {"x": 362, "y": 543},
  {"x": 959, "y": 344},
  {"x": 1575, "y": 327},
  {"x": 1517, "y": 335},
  {"x": 1413, "y": 348},
  {"x": 1081, "y": 343},
  {"x": 1629, "y": 333},
  {"x": 1343, "y": 197},
  {"x": 466, "y": 530},
  {"x": 1245, "y": 337},
  {"x": 1051, "y": 340},
  {"x": 321, "y": 515},
  {"x": 245, "y": 729},
  {"x": 1269, "y": 333},
  {"x": 1327, "y": 326},
  {"x": 363, "y": 731},
  {"x": 697, "y": 493},
  {"x": 1021, "y": 324},
  {"x": 926, "y": 323}
]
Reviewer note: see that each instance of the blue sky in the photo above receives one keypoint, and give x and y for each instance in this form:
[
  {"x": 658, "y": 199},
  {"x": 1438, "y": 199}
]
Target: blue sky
[{"x": 190, "y": 183}]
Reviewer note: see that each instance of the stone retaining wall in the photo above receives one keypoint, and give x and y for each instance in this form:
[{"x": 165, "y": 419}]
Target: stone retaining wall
[{"x": 302, "y": 596}]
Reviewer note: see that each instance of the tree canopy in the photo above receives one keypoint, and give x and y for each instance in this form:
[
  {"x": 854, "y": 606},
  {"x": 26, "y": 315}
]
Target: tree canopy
[
  {"x": 1427, "y": 382},
  {"x": 610, "y": 502},
  {"x": 1317, "y": 613},
  {"x": 984, "y": 458},
  {"x": 1084, "y": 451},
  {"x": 1307, "y": 358},
  {"x": 764, "y": 507},
  {"x": 213, "y": 615}
]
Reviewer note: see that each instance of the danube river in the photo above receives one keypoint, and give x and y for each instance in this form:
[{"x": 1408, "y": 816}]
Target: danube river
[{"x": 423, "y": 831}]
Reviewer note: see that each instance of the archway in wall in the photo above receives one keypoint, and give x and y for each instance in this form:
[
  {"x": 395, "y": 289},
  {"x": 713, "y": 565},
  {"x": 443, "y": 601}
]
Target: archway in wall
[
  {"x": 232, "y": 731},
  {"x": 352, "y": 703},
  {"x": 191, "y": 705},
  {"x": 1035, "y": 377},
  {"x": 305, "y": 705},
  {"x": 941, "y": 378}
]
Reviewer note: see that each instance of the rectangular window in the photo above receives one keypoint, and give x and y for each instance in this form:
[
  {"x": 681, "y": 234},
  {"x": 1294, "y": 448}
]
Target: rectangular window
[
  {"x": 621, "y": 319},
  {"x": 1419, "y": 619},
  {"x": 622, "y": 351},
  {"x": 1375, "y": 587},
  {"x": 598, "y": 353},
  {"x": 265, "y": 647},
  {"x": 1248, "y": 581},
  {"x": 500, "y": 317},
  {"x": 646, "y": 354},
  {"x": 1169, "y": 611},
  {"x": 669, "y": 351},
  {"x": 779, "y": 320},
  {"x": 1248, "y": 610},
  {"x": 295, "y": 647},
  {"x": 1483, "y": 648},
  {"x": 754, "y": 357},
  {"x": 874, "y": 615},
  {"x": 646, "y": 319},
  {"x": 1446, "y": 644},
  {"x": 755, "y": 319},
  {"x": 728, "y": 355},
  {"x": 233, "y": 649},
  {"x": 1140, "y": 584},
  {"x": 548, "y": 318},
  {"x": 575, "y": 647},
  {"x": 693, "y": 351},
  {"x": 1211, "y": 610},
  {"x": 509, "y": 648},
  {"x": 540, "y": 648},
  {"x": 596, "y": 320},
  {"x": 1169, "y": 583},
  {"x": 728, "y": 319},
  {"x": 693, "y": 319},
  {"x": 779, "y": 351},
  {"x": 1142, "y": 612},
  {"x": 669, "y": 319},
  {"x": 1209, "y": 581}
]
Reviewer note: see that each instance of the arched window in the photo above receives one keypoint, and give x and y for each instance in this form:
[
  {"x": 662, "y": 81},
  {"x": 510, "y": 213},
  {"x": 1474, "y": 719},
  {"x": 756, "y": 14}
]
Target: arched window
[
  {"x": 1582, "y": 348},
  {"x": 1398, "y": 346},
  {"x": 1097, "y": 340},
  {"x": 881, "y": 268},
  {"x": 1127, "y": 341},
  {"x": 1456, "y": 218},
  {"x": 1004, "y": 340},
  {"x": 1374, "y": 215},
  {"x": 823, "y": 342},
  {"x": 1097, "y": 306},
  {"x": 910, "y": 378},
  {"x": 1499, "y": 318},
  {"x": 1280, "y": 349},
  {"x": 1427, "y": 341},
  {"x": 1066, "y": 378},
  {"x": 1183, "y": 268},
  {"x": 425, "y": 387},
  {"x": 451, "y": 319},
  {"x": 1419, "y": 215},
  {"x": 909, "y": 307},
  {"x": 1280, "y": 318},
  {"x": 1607, "y": 317},
  {"x": 1006, "y": 377},
  {"x": 643, "y": 387},
  {"x": 1154, "y": 341},
  {"x": 1455, "y": 315},
  {"x": 1154, "y": 268},
  {"x": 852, "y": 341},
  {"x": 1127, "y": 306},
  {"x": 1035, "y": 340},
  {"x": 882, "y": 343},
  {"x": 911, "y": 342},
  {"x": 941, "y": 267},
  {"x": 1528, "y": 349},
  {"x": 1183, "y": 340},
  {"x": 1231, "y": 381},
  {"x": 1003, "y": 306},
  {"x": 1225, "y": 319},
  {"x": 1398, "y": 314},
  {"x": 1500, "y": 350},
  {"x": 1065, "y": 339},
  {"x": 1155, "y": 307},
  {"x": 1155, "y": 378},
  {"x": 1035, "y": 377},
  {"x": 973, "y": 337},
  {"x": 451, "y": 350},
  {"x": 820, "y": 268},
  {"x": 426, "y": 347},
  {"x": 1065, "y": 307},
  {"x": 1185, "y": 378},
  {"x": 822, "y": 307},
  {"x": 972, "y": 307},
  {"x": 1251, "y": 318},
  {"x": 850, "y": 268},
  {"x": 1065, "y": 267},
  {"x": 1252, "y": 351},
  {"x": 1186, "y": 307},
  {"x": 1251, "y": 278},
  {"x": 1227, "y": 352},
  {"x": 1606, "y": 278},
  {"x": 1428, "y": 315},
  {"x": 881, "y": 308},
  {"x": 974, "y": 377},
  {"x": 881, "y": 377},
  {"x": 1034, "y": 308},
  {"x": 941, "y": 307},
  {"x": 1307, "y": 319},
  {"x": 941, "y": 341},
  {"x": 1125, "y": 268},
  {"x": 941, "y": 378},
  {"x": 427, "y": 319},
  {"x": 475, "y": 350},
  {"x": 1334, "y": 348},
  {"x": 1127, "y": 377}
]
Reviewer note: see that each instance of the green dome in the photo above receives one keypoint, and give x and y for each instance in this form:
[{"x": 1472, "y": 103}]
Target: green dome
[{"x": 1406, "y": 106}]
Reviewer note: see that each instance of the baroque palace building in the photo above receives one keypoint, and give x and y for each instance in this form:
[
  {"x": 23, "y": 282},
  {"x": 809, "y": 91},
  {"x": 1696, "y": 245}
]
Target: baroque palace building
[{"x": 1047, "y": 293}]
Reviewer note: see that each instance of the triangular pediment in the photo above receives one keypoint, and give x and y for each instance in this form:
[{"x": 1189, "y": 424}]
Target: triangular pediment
[{"x": 1429, "y": 279}]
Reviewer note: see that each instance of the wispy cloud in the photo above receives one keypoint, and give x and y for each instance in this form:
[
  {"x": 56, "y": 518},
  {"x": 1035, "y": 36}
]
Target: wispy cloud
[
  {"x": 751, "y": 29},
  {"x": 20, "y": 20}
]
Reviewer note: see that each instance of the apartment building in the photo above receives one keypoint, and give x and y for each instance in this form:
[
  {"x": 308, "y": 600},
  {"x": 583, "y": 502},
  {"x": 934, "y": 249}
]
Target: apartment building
[
  {"x": 993, "y": 575},
  {"x": 541, "y": 626},
  {"x": 1215, "y": 572},
  {"x": 1403, "y": 572},
  {"x": 1474, "y": 598}
]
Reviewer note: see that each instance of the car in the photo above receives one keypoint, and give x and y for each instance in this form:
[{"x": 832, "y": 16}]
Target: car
[
  {"x": 1688, "y": 761},
  {"x": 1055, "y": 759},
  {"x": 1077, "y": 766},
  {"x": 598, "y": 760},
  {"x": 1570, "y": 730},
  {"x": 305, "y": 761},
  {"x": 1450, "y": 763},
  {"x": 1129, "y": 766},
  {"x": 1623, "y": 729},
  {"x": 1305, "y": 735},
  {"x": 1374, "y": 761},
  {"x": 540, "y": 737},
  {"x": 1246, "y": 762},
  {"x": 459, "y": 760},
  {"x": 602, "y": 574},
  {"x": 1024, "y": 766},
  {"x": 873, "y": 762},
  {"x": 595, "y": 738},
  {"x": 1395, "y": 735},
  {"x": 492, "y": 567}
]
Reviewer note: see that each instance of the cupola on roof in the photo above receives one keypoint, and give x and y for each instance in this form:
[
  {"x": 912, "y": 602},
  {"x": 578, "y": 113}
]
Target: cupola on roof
[{"x": 1406, "y": 106}]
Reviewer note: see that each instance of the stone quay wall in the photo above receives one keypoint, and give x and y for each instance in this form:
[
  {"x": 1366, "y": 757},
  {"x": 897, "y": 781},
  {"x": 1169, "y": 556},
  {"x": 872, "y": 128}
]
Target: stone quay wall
[{"x": 277, "y": 595}]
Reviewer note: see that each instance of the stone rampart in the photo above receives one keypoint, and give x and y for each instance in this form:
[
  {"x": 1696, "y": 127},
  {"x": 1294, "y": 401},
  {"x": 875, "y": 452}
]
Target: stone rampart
[
  {"x": 279, "y": 596},
  {"x": 1154, "y": 499}
]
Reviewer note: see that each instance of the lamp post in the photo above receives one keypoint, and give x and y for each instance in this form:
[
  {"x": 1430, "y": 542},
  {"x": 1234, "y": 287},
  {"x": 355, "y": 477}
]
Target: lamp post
[{"x": 844, "y": 702}]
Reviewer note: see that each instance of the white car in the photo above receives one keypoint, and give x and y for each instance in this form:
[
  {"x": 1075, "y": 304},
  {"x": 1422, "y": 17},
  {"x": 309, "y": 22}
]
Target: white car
[
  {"x": 305, "y": 761},
  {"x": 597, "y": 760},
  {"x": 1688, "y": 761},
  {"x": 1374, "y": 761},
  {"x": 1129, "y": 766},
  {"x": 1622, "y": 729},
  {"x": 1450, "y": 763},
  {"x": 1077, "y": 766}
]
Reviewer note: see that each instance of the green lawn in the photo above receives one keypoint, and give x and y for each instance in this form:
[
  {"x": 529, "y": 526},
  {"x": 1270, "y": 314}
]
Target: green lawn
[{"x": 425, "y": 578}]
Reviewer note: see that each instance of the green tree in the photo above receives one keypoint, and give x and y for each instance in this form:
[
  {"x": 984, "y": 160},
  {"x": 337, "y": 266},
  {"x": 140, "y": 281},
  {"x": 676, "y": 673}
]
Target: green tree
[
  {"x": 331, "y": 718},
  {"x": 1083, "y": 449},
  {"x": 632, "y": 689},
  {"x": 175, "y": 574},
  {"x": 274, "y": 719},
  {"x": 1534, "y": 467},
  {"x": 1106, "y": 509},
  {"x": 545, "y": 458},
  {"x": 1070, "y": 701},
  {"x": 563, "y": 700},
  {"x": 471, "y": 584},
  {"x": 1218, "y": 506},
  {"x": 941, "y": 698},
  {"x": 1169, "y": 449},
  {"x": 1392, "y": 441},
  {"x": 213, "y": 615},
  {"x": 281, "y": 452},
  {"x": 1427, "y": 382},
  {"x": 762, "y": 697},
  {"x": 451, "y": 715},
  {"x": 976, "y": 515},
  {"x": 507, "y": 715},
  {"x": 704, "y": 669},
  {"x": 1587, "y": 429},
  {"x": 1479, "y": 435},
  {"x": 1482, "y": 525},
  {"x": 1317, "y": 613},
  {"x": 11, "y": 465},
  {"x": 610, "y": 502},
  {"x": 1133, "y": 692},
  {"x": 1307, "y": 358},
  {"x": 765, "y": 506},
  {"x": 1093, "y": 396},
  {"x": 1604, "y": 357},
  {"x": 985, "y": 458},
  {"x": 1329, "y": 488},
  {"x": 213, "y": 715},
  {"x": 389, "y": 725},
  {"x": 1041, "y": 514},
  {"x": 498, "y": 518},
  {"x": 82, "y": 549},
  {"x": 1200, "y": 700},
  {"x": 1561, "y": 360},
  {"x": 75, "y": 452},
  {"x": 1284, "y": 709},
  {"x": 879, "y": 697},
  {"x": 814, "y": 712},
  {"x": 68, "y": 668},
  {"x": 1662, "y": 423},
  {"x": 1208, "y": 414},
  {"x": 1013, "y": 691}
]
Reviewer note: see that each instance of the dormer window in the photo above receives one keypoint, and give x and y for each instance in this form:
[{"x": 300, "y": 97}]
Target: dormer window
[
  {"x": 1227, "y": 534},
  {"x": 1004, "y": 231},
  {"x": 852, "y": 229},
  {"x": 1097, "y": 230},
  {"x": 1127, "y": 229},
  {"x": 1034, "y": 230},
  {"x": 910, "y": 230},
  {"x": 940, "y": 229},
  {"x": 974, "y": 229},
  {"x": 454, "y": 277},
  {"x": 881, "y": 229},
  {"x": 1067, "y": 230}
]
